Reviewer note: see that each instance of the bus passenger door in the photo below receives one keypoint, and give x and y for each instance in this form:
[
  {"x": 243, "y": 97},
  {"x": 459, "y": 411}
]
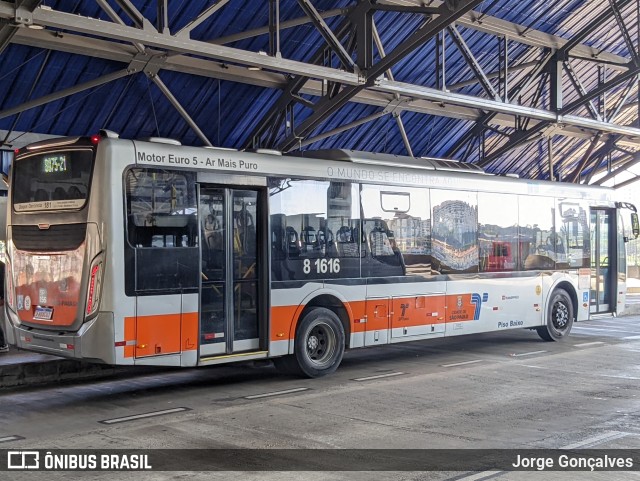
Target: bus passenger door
[
  {"x": 377, "y": 326},
  {"x": 417, "y": 315},
  {"x": 603, "y": 274},
  {"x": 230, "y": 297}
]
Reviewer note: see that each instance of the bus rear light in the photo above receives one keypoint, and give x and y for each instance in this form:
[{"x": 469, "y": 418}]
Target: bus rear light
[
  {"x": 120, "y": 343},
  {"x": 11, "y": 294},
  {"x": 93, "y": 292},
  {"x": 95, "y": 139}
]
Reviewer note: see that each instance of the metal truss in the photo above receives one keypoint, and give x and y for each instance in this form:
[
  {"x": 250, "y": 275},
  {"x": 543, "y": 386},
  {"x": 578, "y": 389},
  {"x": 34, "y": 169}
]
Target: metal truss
[{"x": 505, "y": 112}]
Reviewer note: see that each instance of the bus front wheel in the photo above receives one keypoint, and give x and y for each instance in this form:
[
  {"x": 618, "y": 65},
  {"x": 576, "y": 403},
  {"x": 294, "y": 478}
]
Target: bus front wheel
[
  {"x": 559, "y": 317},
  {"x": 319, "y": 345}
]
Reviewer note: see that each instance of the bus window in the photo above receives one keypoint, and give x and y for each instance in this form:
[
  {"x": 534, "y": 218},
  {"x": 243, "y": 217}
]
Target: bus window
[
  {"x": 311, "y": 222},
  {"x": 454, "y": 235},
  {"x": 161, "y": 210},
  {"x": 573, "y": 230},
  {"x": 397, "y": 227},
  {"x": 497, "y": 232},
  {"x": 161, "y": 223},
  {"x": 538, "y": 242}
]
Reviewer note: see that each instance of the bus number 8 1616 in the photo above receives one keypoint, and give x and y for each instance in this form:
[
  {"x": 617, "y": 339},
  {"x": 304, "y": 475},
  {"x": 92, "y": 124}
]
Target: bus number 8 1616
[{"x": 322, "y": 266}]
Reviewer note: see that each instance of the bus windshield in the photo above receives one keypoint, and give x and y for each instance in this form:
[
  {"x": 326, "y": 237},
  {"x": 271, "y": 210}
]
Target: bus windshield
[{"x": 52, "y": 180}]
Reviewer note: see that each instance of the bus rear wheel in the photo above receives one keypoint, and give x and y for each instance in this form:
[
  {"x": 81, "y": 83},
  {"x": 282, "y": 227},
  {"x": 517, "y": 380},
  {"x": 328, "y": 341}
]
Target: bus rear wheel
[
  {"x": 559, "y": 317},
  {"x": 319, "y": 345}
]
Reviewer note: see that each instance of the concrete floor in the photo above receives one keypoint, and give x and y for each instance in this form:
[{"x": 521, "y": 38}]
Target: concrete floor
[{"x": 494, "y": 391}]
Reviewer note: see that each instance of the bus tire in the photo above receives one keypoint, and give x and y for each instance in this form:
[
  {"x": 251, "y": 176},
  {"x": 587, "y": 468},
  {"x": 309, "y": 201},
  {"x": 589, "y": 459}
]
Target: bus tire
[
  {"x": 319, "y": 343},
  {"x": 559, "y": 317}
]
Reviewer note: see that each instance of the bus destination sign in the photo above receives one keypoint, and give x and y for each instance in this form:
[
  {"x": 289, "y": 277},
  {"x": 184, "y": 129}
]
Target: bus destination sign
[{"x": 54, "y": 163}]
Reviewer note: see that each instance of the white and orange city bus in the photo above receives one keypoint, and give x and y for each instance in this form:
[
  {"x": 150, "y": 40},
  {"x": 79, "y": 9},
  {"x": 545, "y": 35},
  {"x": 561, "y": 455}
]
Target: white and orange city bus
[{"x": 153, "y": 253}]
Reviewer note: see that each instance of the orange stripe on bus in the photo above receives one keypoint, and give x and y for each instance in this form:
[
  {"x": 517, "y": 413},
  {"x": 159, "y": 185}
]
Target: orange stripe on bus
[
  {"x": 357, "y": 313},
  {"x": 282, "y": 322},
  {"x": 189, "y": 331},
  {"x": 385, "y": 313},
  {"x": 161, "y": 334},
  {"x": 129, "y": 335}
]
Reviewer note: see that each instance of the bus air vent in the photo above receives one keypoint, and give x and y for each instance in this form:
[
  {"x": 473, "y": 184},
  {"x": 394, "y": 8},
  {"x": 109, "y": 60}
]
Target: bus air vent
[
  {"x": 56, "y": 238},
  {"x": 266, "y": 151},
  {"x": 162, "y": 140}
]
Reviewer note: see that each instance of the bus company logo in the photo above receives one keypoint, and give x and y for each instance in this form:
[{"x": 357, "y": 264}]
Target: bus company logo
[
  {"x": 477, "y": 301},
  {"x": 459, "y": 302},
  {"x": 23, "y": 460}
]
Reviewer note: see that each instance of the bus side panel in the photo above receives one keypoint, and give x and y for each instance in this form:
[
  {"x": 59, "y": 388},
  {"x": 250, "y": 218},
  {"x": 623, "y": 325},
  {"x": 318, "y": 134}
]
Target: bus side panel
[
  {"x": 158, "y": 326},
  {"x": 485, "y": 305},
  {"x": 413, "y": 310}
]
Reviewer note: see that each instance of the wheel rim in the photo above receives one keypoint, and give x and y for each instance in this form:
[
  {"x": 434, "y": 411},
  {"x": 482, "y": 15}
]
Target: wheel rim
[
  {"x": 321, "y": 344},
  {"x": 560, "y": 316}
]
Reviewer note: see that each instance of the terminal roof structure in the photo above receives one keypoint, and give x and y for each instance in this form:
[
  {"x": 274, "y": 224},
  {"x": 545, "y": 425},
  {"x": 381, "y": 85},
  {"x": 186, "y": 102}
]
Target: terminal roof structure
[{"x": 545, "y": 90}]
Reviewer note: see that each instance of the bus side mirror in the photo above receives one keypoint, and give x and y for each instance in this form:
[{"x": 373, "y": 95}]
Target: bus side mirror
[{"x": 635, "y": 226}]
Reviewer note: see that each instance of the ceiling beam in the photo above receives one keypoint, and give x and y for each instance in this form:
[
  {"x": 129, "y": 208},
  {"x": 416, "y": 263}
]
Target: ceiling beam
[
  {"x": 327, "y": 34},
  {"x": 65, "y": 92},
  {"x": 329, "y": 105},
  {"x": 294, "y": 22},
  {"x": 524, "y": 35},
  {"x": 186, "y": 30},
  {"x": 468, "y": 110},
  {"x": 435, "y": 95},
  {"x": 574, "y": 43},
  {"x": 471, "y": 61},
  {"x": 9, "y": 27},
  {"x": 452, "y": 106},
  {"x": 151, "y": 38},
  {"x": 574, "y": 176},
  {"x": 181, "y": 110}
]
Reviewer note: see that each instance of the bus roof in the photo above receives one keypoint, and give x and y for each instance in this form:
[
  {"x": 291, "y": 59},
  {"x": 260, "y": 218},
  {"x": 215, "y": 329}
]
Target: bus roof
[{"x": 391, "y": 160}]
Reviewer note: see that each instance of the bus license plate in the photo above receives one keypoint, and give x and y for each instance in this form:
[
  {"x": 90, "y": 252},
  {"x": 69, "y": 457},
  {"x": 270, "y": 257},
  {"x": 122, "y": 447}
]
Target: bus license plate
[{"x": 43, "y": 313}]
